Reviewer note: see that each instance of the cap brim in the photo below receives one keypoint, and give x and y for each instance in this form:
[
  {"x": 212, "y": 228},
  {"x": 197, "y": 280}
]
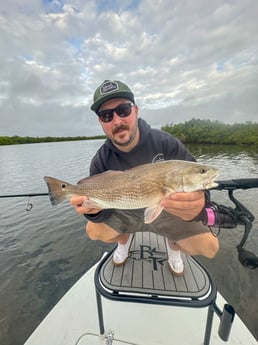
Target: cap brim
[{"x": 122, "y": 94}]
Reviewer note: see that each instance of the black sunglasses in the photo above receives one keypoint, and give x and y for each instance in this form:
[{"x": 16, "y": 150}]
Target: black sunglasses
[{"x": 122, "y": 110}]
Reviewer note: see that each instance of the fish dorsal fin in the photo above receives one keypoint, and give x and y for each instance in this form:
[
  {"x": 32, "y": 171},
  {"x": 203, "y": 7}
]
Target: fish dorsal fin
[{"x": 95, "y": 178}]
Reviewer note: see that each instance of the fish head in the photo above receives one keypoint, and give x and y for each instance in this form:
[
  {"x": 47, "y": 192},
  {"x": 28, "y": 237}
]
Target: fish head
[{"x": 191, "y": 176}]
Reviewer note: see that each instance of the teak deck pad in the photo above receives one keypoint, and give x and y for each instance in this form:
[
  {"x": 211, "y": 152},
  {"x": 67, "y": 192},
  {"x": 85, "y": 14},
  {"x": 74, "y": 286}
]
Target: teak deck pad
[{"x": 146, "y": 271}]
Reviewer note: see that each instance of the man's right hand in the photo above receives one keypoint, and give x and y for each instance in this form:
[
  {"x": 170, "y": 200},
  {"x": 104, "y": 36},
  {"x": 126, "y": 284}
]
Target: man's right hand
[{"x": 77, "y": 202}]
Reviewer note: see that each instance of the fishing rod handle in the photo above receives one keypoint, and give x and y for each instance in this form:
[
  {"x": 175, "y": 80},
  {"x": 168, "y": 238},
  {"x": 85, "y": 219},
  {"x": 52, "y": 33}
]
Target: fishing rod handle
[{"x": 218, "y": 219}]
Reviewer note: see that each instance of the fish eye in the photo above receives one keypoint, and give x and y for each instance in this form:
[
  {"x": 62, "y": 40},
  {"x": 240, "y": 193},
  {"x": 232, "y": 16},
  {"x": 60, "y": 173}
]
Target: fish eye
[
  {"x": 63, "y": 185},
  {"x": 203, "y": 170}
]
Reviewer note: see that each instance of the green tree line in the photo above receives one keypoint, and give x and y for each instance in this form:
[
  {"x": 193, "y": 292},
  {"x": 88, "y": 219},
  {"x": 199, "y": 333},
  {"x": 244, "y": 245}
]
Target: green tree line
[
  {"x": 214, "y": 132},
  {"x": 14, "y": 140},
  {"x": 195, "y": 131}
]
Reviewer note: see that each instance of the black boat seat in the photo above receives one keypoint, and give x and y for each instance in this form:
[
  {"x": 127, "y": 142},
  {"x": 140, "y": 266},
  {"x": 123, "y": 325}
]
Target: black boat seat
[{"x": 146, "y": 278}]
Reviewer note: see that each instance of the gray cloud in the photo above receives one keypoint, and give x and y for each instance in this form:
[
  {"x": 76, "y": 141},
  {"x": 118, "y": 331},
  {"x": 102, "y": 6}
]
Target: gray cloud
[{"x": 182, "y": 59}]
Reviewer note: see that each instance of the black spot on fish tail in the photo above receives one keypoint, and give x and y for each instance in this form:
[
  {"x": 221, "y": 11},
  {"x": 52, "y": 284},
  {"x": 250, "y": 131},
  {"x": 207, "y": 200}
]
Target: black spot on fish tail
[{"x": 56, "y": 189}]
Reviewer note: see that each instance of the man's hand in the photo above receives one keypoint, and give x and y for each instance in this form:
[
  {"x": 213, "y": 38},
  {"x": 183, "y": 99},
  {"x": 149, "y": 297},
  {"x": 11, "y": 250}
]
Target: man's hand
[
  {"x": 184, "y": 205},
  {"x": 77, "y": 202}
]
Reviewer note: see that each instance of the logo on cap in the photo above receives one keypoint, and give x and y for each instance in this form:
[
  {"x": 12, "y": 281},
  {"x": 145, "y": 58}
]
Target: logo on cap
[{"x": 108, "y": 87}]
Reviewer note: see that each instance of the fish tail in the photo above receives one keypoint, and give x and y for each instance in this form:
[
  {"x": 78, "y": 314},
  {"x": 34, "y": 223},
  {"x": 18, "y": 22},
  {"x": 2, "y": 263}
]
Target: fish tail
[{"x": 57, "y": 190}]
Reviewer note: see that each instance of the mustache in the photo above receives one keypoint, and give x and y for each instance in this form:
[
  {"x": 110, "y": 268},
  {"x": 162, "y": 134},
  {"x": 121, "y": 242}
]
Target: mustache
[{"x": 119, "y": 128}]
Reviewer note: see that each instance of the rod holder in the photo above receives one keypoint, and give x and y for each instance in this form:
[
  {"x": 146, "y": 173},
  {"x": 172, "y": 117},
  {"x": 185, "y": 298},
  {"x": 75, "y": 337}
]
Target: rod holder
[{"x": 226, "y": 321}]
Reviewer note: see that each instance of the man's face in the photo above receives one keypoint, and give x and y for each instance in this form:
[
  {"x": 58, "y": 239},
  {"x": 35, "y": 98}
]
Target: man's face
[{"x": 123, "y": 131}]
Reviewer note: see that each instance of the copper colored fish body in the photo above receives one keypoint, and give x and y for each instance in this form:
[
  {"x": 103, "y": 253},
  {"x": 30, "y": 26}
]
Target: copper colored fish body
[{"x": 141, "y": 187}]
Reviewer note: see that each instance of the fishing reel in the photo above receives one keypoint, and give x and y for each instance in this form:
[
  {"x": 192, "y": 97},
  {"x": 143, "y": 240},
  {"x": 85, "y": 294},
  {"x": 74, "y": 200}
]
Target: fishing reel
[{"x": 220, "y": 216}]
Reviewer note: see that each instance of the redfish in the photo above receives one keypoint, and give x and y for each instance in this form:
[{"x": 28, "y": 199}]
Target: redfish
[{"x": 141, "y": 187}]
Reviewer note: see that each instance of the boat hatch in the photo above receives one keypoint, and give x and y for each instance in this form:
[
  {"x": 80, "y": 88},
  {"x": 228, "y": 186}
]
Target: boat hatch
[{"x": 146, "y": 278}]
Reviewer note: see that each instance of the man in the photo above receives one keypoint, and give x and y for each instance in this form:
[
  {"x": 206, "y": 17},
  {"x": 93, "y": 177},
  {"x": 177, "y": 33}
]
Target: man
[{"x": 132, "y": 142}]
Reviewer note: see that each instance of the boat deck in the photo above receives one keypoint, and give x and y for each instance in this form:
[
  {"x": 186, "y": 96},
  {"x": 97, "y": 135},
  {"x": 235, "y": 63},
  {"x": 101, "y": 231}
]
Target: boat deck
[
  {"x": 74, "y": 320},
  {"x": 147, "y": 272}
]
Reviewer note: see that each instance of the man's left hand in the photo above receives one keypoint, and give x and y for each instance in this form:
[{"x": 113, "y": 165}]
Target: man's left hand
[{"x": 184, "y": 205}]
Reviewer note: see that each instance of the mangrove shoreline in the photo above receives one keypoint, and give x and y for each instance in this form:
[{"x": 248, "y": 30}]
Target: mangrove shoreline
[{"x": 195, "y": 131}]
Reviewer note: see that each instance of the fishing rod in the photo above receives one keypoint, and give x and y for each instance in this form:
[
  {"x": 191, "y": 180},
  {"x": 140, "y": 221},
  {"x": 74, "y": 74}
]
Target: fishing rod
[
  {"x": 223, "y": 216},
  {"x": 23, "y": 195},
  {"x": 242, "y": 183},
  {"x": 29, "y": 204}
]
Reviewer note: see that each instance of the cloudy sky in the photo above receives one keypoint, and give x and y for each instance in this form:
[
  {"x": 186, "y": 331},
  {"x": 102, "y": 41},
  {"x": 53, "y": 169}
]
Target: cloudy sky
[{"x": 182, "y": 58}]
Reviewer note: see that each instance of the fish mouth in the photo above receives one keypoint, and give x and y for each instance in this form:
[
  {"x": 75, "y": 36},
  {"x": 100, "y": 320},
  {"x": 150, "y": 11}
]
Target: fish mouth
[{"x": 211, "y": 183}]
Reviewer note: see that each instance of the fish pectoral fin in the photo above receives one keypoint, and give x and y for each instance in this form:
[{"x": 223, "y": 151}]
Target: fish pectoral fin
[
  {"x": 152, "y": 212},
  {"x": 91, "y": 204}
]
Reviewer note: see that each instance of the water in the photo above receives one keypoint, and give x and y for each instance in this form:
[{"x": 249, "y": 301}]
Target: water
[{"x": 44, "y": 251}]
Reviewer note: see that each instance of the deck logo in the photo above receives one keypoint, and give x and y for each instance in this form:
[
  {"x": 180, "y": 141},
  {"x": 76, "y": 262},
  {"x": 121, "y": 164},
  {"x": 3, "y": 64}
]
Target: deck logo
[{"x": 152, "y": 255}]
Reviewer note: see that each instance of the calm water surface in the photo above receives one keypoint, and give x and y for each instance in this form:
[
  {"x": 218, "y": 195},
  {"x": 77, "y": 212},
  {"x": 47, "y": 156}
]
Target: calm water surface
[{"x": 44, "y": 251}]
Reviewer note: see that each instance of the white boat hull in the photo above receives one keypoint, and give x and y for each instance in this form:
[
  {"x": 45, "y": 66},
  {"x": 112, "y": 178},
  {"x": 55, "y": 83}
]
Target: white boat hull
[{"x": 74, "y": 320}]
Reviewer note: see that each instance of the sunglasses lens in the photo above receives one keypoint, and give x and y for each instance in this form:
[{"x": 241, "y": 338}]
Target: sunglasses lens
[
  {"x": 122, "y": 110},
  {"x": 106, "y": 115}
]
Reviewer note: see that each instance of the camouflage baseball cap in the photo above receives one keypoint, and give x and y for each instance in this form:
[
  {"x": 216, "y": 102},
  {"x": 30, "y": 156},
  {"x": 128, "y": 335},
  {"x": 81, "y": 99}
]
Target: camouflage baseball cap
[{"x": 110, "y": 89}]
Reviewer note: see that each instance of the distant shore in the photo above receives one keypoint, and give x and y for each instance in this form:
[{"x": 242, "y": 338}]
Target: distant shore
[
  {"x": 16, "y": 140},
  {"x": 195, "y": 131}
]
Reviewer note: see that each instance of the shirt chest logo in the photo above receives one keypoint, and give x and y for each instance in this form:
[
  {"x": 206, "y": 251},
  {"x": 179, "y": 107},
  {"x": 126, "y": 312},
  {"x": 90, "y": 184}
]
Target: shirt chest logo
[{"x": 158, "y": 158}]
